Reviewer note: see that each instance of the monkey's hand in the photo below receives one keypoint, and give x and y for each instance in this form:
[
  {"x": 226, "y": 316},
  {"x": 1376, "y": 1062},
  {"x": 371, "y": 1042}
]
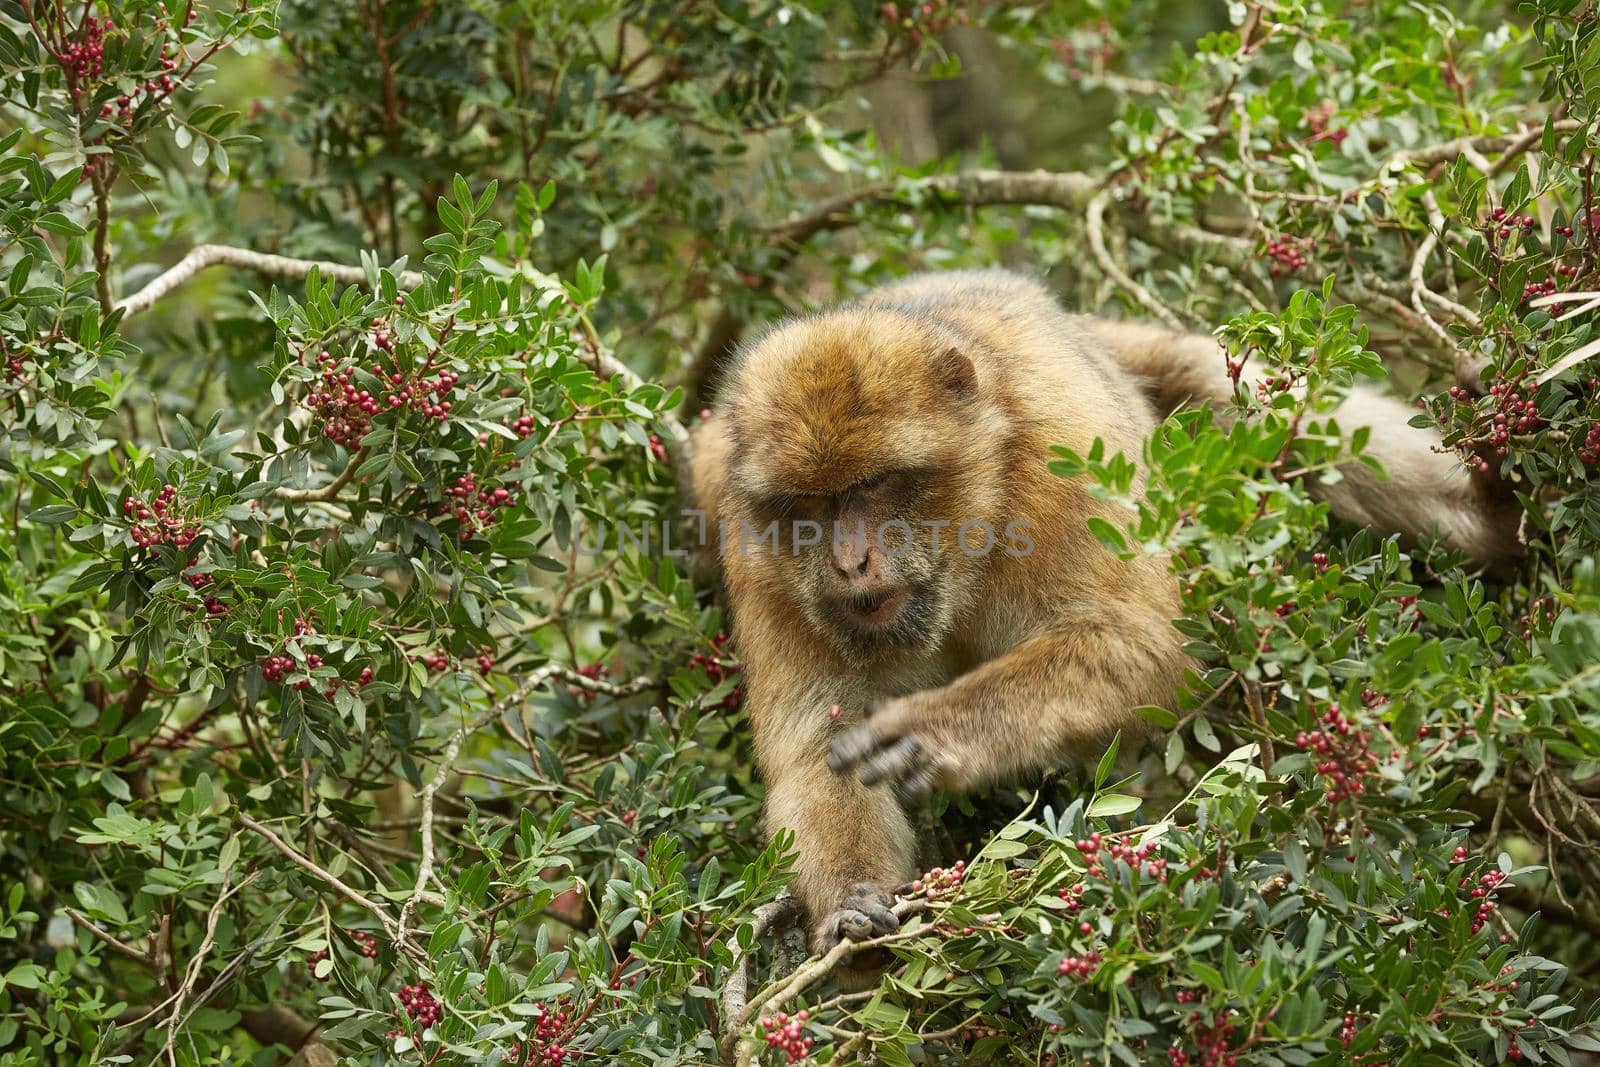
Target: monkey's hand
[
  {"x": 863, "y": 914},
  {"x": 886, "y": 748}
]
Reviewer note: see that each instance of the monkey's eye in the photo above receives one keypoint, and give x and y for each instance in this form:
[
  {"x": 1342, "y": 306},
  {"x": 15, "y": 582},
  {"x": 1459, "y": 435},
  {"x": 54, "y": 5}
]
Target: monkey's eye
[{"x": 877, "y": 481}]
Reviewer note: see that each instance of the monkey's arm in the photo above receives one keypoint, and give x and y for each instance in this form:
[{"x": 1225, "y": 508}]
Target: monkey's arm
[
  {"x": 853, "y": 843},
  {"x": 1057, "y": 697}
]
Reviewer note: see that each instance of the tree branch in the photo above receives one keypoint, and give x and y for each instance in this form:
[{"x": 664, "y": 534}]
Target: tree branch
[
  {"x": 331, "y": 490},
  {"x": 786, "y": 987},
  {"x": 378, "y": 911},
  {"x": 146, "y": 958},
  {"x": 1094, "y": 224},
  {"x": 203, "y": 256}
]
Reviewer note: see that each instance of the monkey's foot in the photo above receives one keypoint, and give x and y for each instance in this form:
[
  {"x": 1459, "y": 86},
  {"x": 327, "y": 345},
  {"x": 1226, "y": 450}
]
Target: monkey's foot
[
  {"x": 878, "y": 755},
  {"x": 863, "y": 914}
]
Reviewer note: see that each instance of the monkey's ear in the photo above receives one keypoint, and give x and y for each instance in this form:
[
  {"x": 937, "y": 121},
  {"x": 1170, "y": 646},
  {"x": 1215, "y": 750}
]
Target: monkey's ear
[{"x": 954, "y": 370}]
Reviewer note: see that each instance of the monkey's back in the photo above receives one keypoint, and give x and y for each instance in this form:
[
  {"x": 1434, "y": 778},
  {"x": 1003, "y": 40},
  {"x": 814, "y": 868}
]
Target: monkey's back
[{"x": 1054, "y": 372}]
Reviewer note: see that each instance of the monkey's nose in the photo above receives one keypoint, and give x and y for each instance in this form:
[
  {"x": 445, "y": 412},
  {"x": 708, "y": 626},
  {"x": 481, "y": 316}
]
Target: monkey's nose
[{"x": 851, "y": 560}]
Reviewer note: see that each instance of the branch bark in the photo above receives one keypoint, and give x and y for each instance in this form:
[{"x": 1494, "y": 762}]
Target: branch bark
[{"x": 203, "y": 256}]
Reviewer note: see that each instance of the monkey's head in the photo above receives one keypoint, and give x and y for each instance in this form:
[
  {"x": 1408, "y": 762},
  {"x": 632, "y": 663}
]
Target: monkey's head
[{"x": 865, "y": 474}]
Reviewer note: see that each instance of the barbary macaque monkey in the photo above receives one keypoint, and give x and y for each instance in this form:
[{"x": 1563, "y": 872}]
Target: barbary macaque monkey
[{"x": 931, "y": 579}]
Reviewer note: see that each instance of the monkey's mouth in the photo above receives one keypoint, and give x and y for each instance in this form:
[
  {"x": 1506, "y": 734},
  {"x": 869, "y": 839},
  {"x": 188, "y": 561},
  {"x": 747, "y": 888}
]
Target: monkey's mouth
[{"x": 878, "y": 608}]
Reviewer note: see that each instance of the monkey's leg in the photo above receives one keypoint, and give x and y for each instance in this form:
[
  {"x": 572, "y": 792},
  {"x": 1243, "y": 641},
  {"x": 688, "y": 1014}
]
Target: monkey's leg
[{"x": 1058, "y": 697}]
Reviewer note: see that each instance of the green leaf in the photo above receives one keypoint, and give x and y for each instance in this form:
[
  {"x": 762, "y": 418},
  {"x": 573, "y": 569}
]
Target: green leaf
[
  {"x": 52, "y": 514},
  {"x": 1108, "y": 805}
]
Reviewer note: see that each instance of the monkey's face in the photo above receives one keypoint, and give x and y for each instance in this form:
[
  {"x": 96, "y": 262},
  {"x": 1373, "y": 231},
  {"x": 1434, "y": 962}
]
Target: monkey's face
[{"x": 860, "y": 455}]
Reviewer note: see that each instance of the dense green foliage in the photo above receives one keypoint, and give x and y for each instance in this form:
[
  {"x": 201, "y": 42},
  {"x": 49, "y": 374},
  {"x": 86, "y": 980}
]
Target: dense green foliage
[{"x": 318, "y": 706}]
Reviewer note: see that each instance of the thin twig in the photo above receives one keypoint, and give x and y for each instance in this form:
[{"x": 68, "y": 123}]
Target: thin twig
[
  {"x": 378, "y": 911},
  {"x": 148, "y": 958},
  {"x": 191, "y": 973}
]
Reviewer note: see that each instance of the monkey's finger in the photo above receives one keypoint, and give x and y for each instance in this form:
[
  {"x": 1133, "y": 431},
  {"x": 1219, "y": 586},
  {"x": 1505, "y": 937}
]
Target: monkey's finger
[
  {"x": 917, "y": 784},
  {"x": 893, "y": 762},
  {"x": 854, "y": 925},
  {"x": 883, "y": 920},
  {"x": 851, "y": 747}
]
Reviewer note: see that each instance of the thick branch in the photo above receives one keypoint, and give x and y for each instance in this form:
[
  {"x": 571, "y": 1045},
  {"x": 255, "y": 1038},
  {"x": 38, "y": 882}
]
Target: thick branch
[
  {"x": 786, "y": 987},
  {"x": 736, "y": 988},
  {"x": 203, "y": 256}
]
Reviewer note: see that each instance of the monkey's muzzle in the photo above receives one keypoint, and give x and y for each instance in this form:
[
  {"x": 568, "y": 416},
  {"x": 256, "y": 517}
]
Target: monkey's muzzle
[{"x": 880, "y": 608}]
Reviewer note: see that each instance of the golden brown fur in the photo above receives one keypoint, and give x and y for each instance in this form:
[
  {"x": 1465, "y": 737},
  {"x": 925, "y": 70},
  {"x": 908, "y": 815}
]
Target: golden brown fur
[{"x": 937, "y": 398}]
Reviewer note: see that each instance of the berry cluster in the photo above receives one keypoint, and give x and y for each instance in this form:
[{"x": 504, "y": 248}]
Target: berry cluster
[
  {"x": 345, "y": 410},
  {"x": 547, "y": 1047},
  {"x": 658, "y": 451},
  {"x": 941, "y": 880},
  {"x": 1503, "y": 222},
  {"x": 1481, "y": 892},
  {"x": 1347, "y": 1030},
  {"x": 1541, "y": 610},
  {"x": 419, "y": 1003},
  {"x": 437, "y": 408},
  {"x": 1533, "y": 290},
  {"x": 485, "y": 660},
  {"x": 366, "y": 944},
  {"x": 421, "y": 394},
  {"x": 1272, "y": 384},
  {"x": 1135, "y": 858},
  {"x": 922, "y": 21},
  {"x": 476, "y": 506},
  {"x": 273, "y": 668},
  {"x": 1288, "y": 254},
  {"x": 717, "y": 666},
  {"x": 13, "y": 370},
  {"x": 595, "y": 670},
  {"x": 382, "y": 337},
  {"x": 522, "y": 426},
  {"x": 1346, "y": 760},
  {"x": 1087, "y": 54},
  {"x": 1316, "y": 120},
  {"x": 1080, "y": 968},
  {"x": 1213, "y": 1043},
  {"x": 157, "y": 522},
  {"x": 1589, "y": 451},
  {"x": 437, "y": 661},
  {"x": 1514, "y": 413},
  {"x": 1072, "y": 895},
  {"x": 157, "y": 88},
  {"x": 784, "y": 1033},
  {"x": 84, "y": 58}
]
